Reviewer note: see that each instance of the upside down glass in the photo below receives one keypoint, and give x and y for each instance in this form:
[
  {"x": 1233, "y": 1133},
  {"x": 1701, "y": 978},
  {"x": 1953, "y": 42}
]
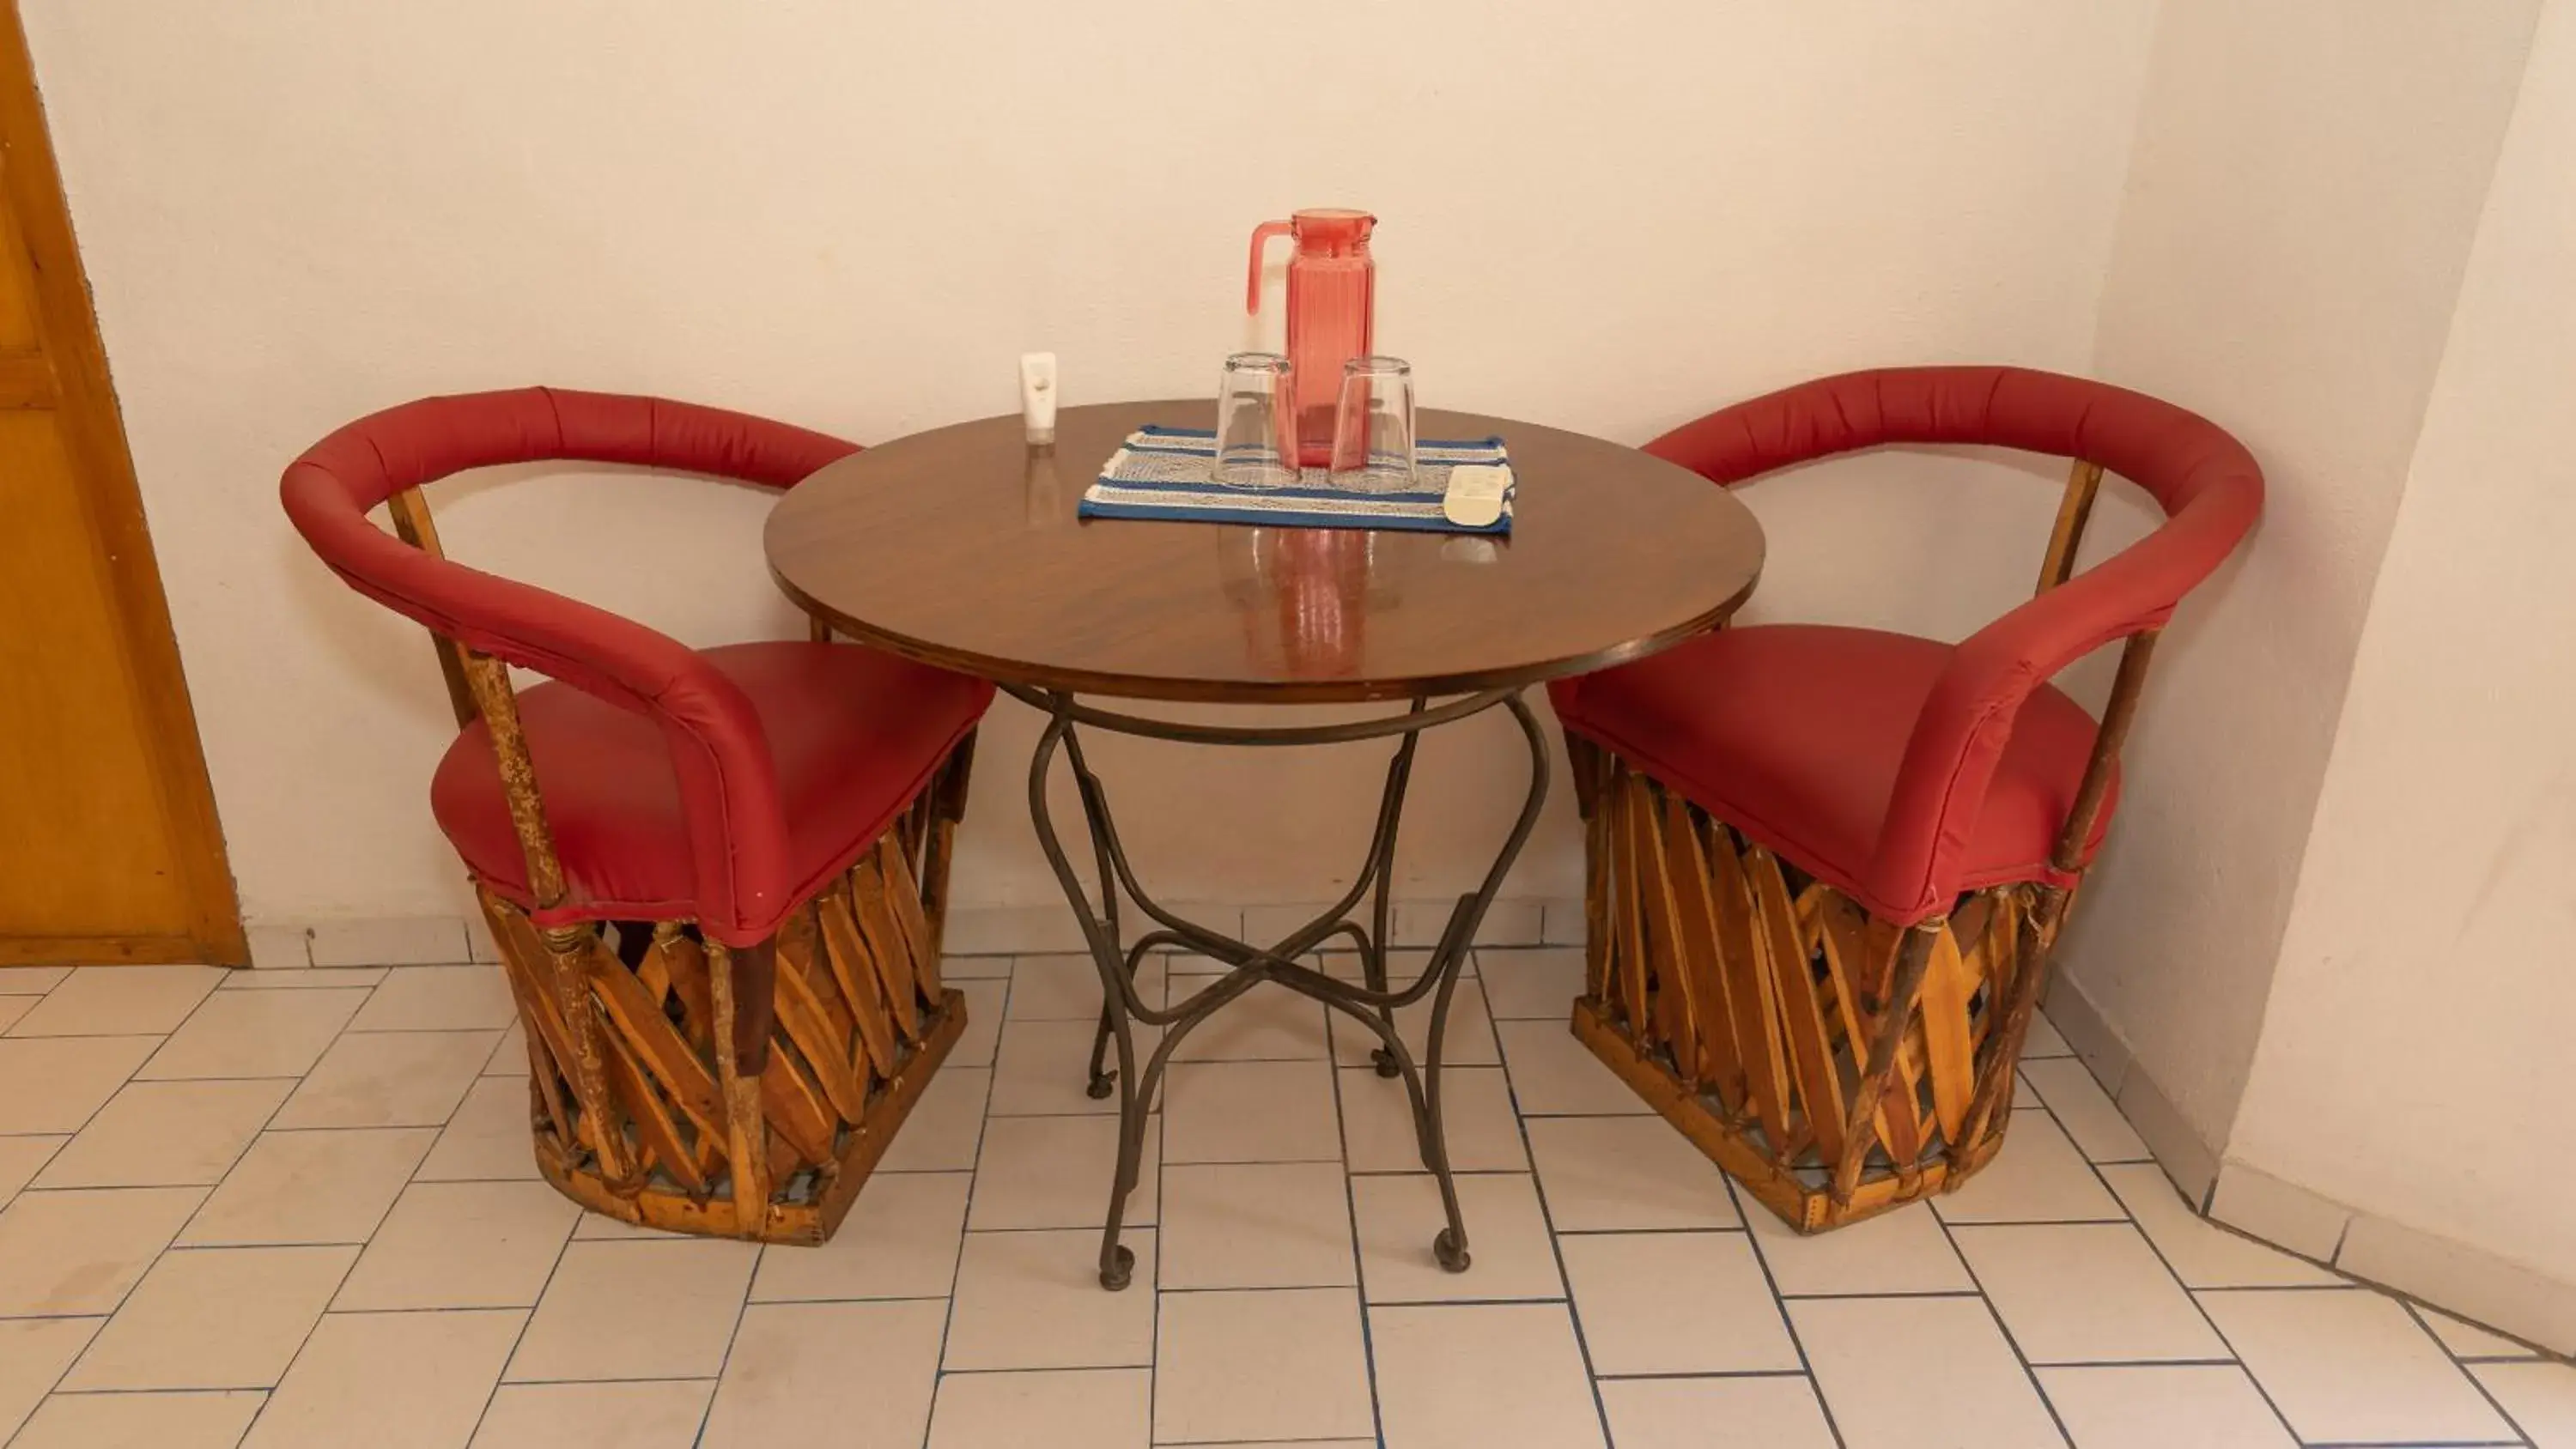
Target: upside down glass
[
  {"x": 1255, "y": 415},
  {"x": 1373, "y": 428}
]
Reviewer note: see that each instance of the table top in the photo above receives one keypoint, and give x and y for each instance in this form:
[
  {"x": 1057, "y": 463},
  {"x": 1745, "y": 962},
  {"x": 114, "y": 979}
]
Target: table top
[{"x": 960, "y": 547}]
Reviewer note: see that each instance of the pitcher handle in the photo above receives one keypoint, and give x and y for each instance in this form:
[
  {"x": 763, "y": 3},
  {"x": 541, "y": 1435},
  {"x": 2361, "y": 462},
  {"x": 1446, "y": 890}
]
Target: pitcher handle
[{"x": 1252, "y": 284}]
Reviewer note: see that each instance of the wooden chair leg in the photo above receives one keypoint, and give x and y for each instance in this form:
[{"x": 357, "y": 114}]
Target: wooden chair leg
[
  {"x": 746, "y": 1130},
  {"x": 1590, "y": 767},
  {"x": 947, "y": 802},
  {"x": 1895, "y": 1013},
  {"x": 2037, "y": 943},
  {"x": 567, "y": 971}
]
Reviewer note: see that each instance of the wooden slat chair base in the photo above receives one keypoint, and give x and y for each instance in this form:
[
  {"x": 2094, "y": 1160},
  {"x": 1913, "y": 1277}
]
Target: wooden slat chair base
[
  {"x": 859, "y": 1022},
  {"x": 1739, "y": 998},
  {"x": 1827, "y": 864}
]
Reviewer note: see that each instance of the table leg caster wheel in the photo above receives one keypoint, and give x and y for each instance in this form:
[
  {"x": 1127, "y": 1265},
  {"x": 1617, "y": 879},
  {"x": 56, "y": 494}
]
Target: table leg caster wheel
[
  {"x": 1100, "y": 1086},
  {"x": 1446, "y": 1247},
  {"x": 1385, "y": 1060},
  {"x": 1121, "y": 1269}
]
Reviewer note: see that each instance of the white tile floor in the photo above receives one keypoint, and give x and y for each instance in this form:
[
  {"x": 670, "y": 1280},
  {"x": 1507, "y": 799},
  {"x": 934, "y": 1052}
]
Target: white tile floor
[{"x": 297, "y": 1209}]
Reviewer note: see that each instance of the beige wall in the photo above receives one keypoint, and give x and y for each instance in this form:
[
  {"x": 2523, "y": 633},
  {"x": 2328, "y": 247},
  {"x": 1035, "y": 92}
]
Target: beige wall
[
  {"x": 1609, "y": 217},
  {"x": 2408, "y": 1067},
  {"x": 2307, "y": 178}
]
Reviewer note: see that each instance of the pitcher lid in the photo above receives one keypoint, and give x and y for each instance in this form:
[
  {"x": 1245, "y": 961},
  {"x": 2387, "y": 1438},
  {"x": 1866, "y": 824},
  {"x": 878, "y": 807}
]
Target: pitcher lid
[{"x": 1331, "y": 229}]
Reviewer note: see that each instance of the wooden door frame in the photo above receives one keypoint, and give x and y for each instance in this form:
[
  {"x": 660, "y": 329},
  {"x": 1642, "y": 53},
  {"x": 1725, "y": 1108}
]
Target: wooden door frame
[{"x": 77, "y": 385}]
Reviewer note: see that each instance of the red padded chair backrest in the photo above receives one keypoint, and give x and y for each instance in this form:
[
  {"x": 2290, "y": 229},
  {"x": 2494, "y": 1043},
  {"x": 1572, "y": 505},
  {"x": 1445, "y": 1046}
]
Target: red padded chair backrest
[
  {"x": 728, "y": 785},
  {"x": 2207, "y": 483}
]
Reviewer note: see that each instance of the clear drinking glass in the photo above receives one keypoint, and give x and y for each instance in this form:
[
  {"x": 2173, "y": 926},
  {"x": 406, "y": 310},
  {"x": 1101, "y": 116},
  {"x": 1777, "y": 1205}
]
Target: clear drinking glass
[
  {"x": 1255, "y": 411},
  {"x": 1373, "y": 427}
]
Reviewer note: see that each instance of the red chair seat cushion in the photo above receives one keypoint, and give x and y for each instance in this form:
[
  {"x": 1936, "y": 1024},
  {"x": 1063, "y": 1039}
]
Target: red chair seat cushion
[
  {"x": 854, "y": 734},
  {"x": 1793, "y": 734}
]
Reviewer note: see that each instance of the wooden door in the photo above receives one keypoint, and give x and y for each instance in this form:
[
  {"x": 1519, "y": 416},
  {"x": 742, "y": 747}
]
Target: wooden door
[{"x": 109, "y": 849}]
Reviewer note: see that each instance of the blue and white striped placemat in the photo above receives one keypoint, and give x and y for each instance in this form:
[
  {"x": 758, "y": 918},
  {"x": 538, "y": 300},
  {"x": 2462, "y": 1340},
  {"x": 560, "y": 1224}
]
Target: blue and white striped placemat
[{"x": 1163, "y": 473}]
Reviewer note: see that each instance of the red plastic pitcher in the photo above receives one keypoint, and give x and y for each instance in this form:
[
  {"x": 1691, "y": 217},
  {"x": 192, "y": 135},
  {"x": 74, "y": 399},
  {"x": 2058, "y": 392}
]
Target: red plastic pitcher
[{"x": 1332, "y": 305}]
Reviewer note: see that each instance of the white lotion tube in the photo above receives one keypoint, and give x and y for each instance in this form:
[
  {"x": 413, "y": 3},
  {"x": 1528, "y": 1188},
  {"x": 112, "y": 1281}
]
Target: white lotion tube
[{"x": 1037, "y": 397}]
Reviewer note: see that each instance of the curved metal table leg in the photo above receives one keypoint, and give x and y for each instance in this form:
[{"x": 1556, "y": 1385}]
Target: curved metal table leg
[{"x": 1372, "y": 1004}]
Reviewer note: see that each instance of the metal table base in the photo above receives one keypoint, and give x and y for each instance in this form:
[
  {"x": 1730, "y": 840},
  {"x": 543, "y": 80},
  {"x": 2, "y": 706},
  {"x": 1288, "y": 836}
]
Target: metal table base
[{"x": 1372, "y": 1003}]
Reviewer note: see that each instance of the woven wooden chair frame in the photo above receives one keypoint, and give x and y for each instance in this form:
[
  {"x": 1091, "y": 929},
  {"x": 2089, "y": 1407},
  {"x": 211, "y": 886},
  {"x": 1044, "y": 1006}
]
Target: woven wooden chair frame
[
  {"x": 1836, "y": 1064},
  {"x": 679, "y": 1085}
]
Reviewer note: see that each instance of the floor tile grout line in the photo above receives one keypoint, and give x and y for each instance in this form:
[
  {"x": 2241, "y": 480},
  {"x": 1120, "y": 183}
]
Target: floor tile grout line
[
  {"x": 256, "y": 1247},
  {"x": 2416, "y": 1312},
  {"x": 1070, "y": 1227},
  {"x": 1156, "y": 1122},
  {"x": 1381, "y": 1302},
  {"x": 32, "y": 1190},
  {"x": 2419, "y": 1308},
  {"x": 267, "y": 1125},
  {"x": 1780, "y": 1304},
  {"x": 2031, "y": 1222},
  {"x": 14, "y": 1035},
  {"x": 49, "y": 986},
  {"x": 1843, "y": 1296},
  {"x": 439, "y": 1126},
  {"x": 2343, "y": 1285},
  {"x": 315, "y": 1326},
  {"x": 158, "y": 1081},
  {"x": 411, "y": 1180},
  {"x": 60, "y": 1143},
  {"x": 148, "y": 1393},
  {"x": 2261, "y": 1389},
  {"x": 271, "y": 1388},
  {"x": 337, "y": 1032},
  {"x": 502, "y": 1378},
  {"x": 1253, "y": 1442},
  {"x": 1735, "y": 1227},
  {"x": 18, "y": 1434},
  {"x": 34, "y": 1186},
  {"x": 128, "y": 1079},
  {"x": 939, "y": 1370},
  {"x": 1069, "y": 1368},
  {"x": 724, "y": 1361},
  {"x": 494, "y": 1031},
  {"x": 568, "y": 1383},
  {"x": 1359, "y": 1267},
  {"x": 73, "y": 972},
  {"x": 1689, "y": 1375},
  {"x": 2011, "y": 1342},
  {"x": 1555, "y": 1248}
]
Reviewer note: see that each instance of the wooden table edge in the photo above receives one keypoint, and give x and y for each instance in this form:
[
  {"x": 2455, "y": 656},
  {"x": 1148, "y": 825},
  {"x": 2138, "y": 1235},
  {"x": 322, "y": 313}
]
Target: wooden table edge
[{"x": 1183, "y": 690}]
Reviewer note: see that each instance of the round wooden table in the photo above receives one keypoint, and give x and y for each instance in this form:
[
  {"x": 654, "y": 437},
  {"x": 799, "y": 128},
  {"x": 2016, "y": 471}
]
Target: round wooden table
[{"x": 960, "y": 547}]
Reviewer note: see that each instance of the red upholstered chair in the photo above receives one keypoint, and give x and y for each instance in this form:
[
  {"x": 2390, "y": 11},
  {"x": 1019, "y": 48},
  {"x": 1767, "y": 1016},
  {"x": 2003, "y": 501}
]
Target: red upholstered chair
[
  {"x": 716, "y": 877},
  {"x": 1826, "y": 865}
]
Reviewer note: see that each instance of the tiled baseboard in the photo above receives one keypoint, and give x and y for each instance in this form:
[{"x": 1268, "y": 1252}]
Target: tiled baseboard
[
  {"x": 2191, "y": 1163},
  {"x": 2451, "y": 1276},
  {"x": 1032, "y": 930},
  {"x": 2461, "y": 1280},
  {"x": 971, "y": 931},
  {"x": 371, "y": 941}
]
